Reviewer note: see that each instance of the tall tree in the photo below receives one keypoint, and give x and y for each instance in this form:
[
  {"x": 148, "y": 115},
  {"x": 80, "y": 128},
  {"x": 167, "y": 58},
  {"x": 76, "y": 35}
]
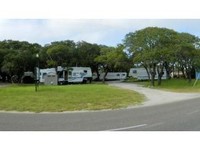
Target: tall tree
[
  {"x": 60, "y": 53},
  {"x": 186, "y": 53},
  {"x": 85, "y": 55},
  {"x": 20, "y": 57},
  {"x": 112, "y": 59},
  {"x": 148, "y": 47}
]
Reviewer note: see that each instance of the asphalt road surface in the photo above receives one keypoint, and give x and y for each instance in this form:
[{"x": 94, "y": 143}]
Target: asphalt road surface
[{"x": 177, "y": 116}]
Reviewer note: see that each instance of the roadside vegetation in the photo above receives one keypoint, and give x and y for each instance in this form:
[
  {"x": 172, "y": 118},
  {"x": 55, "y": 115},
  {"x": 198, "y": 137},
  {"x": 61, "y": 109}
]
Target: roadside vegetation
[{"x": 66, "y": 98}]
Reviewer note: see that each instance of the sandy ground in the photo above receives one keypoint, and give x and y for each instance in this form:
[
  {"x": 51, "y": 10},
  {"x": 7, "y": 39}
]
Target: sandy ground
[{"x": 154, "y": 96}]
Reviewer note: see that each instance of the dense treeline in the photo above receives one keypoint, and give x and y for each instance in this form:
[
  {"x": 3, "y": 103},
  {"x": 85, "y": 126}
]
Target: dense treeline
[
  {"x": 153, "y": 48},
  {"x": 17, "y": 57}
]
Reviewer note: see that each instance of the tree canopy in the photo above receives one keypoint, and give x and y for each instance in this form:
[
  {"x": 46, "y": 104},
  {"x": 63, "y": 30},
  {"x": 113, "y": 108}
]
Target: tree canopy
[
  {"x": 157, "y": 48},
  {"x": 153, "y": 48}
]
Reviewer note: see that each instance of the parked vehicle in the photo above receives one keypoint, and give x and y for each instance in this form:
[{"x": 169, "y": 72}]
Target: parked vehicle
[
  {"x": 68, "y": 74},
  {"x": 74, "y": 75},
  {"x": 111, "y": 76},
  {"x": 141, "y": 74}
]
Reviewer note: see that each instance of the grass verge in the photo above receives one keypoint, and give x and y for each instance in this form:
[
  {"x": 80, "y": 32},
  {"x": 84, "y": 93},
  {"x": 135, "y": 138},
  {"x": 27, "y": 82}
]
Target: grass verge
[
  {"x": 174, "y": 85},
  {"x": 66, "y": 98}
]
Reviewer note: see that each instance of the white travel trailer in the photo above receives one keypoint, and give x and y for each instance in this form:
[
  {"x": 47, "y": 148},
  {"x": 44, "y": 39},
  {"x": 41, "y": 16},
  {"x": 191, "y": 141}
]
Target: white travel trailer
[
  {"x": 68, "y": 74},
  {"x": 141, "y": 74},
  {"x": 111, "y": 76},
  {"x": 74, "y": 75}
]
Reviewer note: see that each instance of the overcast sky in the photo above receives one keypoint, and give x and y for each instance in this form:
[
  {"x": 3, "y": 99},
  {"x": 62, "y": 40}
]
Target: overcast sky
[{"x": 101, "y": 31}]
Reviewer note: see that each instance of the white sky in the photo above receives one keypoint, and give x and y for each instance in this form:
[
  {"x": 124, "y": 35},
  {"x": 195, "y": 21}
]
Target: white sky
[{"x": 101, "y": 31}]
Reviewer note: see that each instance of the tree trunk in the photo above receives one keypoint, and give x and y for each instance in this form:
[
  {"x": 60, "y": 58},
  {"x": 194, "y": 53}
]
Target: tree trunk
[
  {"x": 183, "y": 72},
  {"x": 152, "y": 79},
  {"x": 160, "y": 74},
  {"x": 147, "y": 71},
  {"x": 153, "y": 73},
  {"x": 167, "y": 70},
  {"x": 189, "y": 75},
  {"x": 98, "y": 75},
  {"x": 104, "y": 77}
]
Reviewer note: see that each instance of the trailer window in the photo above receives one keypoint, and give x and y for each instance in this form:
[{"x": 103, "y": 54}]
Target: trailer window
[
  {"x": 118, "y": 75},
  {"x": 76, "y": 74},
  {"x": 85, "y": 71},
  {"x": 44, "y": 74}
]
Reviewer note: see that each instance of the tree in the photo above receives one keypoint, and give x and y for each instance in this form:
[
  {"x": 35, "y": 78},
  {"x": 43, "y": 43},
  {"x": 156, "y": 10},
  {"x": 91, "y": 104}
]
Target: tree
[
  {"x": 148, "y": 47},
  {"x": 3, "y": 53},
  {"x": 85, "y": 55},
  {"x": 60, "y": 53},
  {"x": 19, "y": 57},
  {"x": 186, "y": 53},
  {"x": 112, "y": 59}
]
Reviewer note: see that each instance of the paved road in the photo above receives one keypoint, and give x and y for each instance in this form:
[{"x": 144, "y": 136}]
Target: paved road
[{"x": 178, "y": 116}]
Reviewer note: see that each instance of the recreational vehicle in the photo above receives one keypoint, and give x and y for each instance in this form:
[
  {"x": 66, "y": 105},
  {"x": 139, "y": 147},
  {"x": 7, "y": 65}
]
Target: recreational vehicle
[
  {"x": 74, "y": 75},
  {"x": 111, "y": 76},
  {"x": 68, "y": 74},
  {"x": 141, "y": 74}
]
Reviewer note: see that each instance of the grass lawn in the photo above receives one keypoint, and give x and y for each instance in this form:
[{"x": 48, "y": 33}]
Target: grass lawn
[
  {"x": 66, "y": 98},
  {"x": 174, "y": 85}
]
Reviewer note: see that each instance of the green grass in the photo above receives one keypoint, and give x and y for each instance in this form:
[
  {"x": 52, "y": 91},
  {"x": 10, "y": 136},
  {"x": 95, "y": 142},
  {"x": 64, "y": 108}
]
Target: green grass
[
  {"x": 174, "y": 85},
  {"x": 66, "y": 98},
  {"x": 180, "y": 85}
]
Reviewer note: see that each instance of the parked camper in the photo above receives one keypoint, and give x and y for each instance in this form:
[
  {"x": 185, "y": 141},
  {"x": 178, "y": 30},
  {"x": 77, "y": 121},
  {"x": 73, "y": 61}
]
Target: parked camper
[
  {"x": 141, "y": 74},
  {"x": 111, "y": 76},
  {"x": 68, "y": 74},
  {"x": 74, "y": 75}
]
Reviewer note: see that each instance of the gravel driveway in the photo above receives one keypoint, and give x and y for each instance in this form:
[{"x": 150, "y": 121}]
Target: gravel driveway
[{"x": 154, "y": 96}]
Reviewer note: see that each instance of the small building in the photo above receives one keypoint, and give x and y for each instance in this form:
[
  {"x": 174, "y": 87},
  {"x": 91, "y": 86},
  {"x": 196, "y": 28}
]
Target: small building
[
  {"x": 28, "y": 77},
  {"x": 51, "y": 79},
  {"x": 45, "y": 72}
]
